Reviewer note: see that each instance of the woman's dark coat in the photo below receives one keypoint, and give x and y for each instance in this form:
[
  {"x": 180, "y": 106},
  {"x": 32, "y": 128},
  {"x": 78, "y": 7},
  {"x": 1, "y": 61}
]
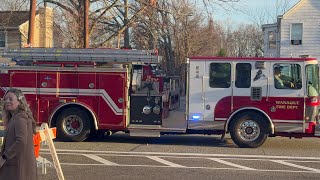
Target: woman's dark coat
[{"x": 18, "y": 149}]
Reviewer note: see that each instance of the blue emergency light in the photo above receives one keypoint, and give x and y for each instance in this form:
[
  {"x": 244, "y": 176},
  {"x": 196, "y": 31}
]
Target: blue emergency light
[{"x": 196, "y": 117}]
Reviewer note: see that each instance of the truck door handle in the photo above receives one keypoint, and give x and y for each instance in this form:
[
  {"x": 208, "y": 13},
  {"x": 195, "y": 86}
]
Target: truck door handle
[{"x": 202, "y": 87}]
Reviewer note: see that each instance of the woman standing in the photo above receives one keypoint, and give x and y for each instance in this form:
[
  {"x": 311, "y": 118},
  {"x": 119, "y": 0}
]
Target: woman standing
[{"x": 17, "y": 161}]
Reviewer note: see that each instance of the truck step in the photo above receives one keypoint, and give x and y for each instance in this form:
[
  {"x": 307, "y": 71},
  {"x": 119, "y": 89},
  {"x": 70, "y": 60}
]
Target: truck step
[
  {"x": 152, "y": 129},
  {"x": 145, "y": 133}
]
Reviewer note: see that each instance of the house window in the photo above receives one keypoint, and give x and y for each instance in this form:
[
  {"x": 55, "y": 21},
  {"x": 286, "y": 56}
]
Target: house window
[
  {"x": 272, "y": 40},
  {"x": 2, "y": 39},
  {"x": 296, "y": 34}
]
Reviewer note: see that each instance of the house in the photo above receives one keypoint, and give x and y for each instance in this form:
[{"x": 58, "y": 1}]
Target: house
[
  {"x": 14, "y": 28},
  {"x": 296, "y": 33}
]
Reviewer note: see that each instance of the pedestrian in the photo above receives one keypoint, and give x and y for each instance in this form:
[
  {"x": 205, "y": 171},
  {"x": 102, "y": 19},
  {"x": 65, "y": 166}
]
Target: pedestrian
[{"x": 17, "y": 161}]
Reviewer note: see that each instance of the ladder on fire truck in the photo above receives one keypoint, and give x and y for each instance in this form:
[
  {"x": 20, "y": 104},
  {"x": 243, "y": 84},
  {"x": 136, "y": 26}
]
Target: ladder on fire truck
[{"x": 81, "y": 55}]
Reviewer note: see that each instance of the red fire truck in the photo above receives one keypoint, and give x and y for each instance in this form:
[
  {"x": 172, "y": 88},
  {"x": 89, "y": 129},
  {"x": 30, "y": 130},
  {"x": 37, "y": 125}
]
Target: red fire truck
[{"x": 83, "y": 91}]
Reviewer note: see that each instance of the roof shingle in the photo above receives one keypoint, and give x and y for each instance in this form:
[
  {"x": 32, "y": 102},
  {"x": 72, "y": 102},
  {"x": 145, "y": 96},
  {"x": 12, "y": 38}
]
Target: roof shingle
[{"x": 13, "y": 18}]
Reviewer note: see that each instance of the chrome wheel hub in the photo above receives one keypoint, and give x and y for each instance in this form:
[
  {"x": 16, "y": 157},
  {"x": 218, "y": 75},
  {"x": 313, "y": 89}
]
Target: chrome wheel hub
[
  {"x": 73, "y": 125},
  {"x": 249, "y": 130}
]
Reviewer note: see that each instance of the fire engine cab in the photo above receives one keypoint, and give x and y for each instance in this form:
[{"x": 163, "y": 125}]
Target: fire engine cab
[
  {"x": 253, "y": 98},
  {"x": 83, "y": 91}
]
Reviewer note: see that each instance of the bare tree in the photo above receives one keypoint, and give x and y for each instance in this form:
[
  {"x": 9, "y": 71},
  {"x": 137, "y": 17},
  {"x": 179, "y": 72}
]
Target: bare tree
[
  {"x": 146, "y": 29},
  {"x": 8, "y": 7},
  {"x": 247, "y": 42},
  {"x": 107, "y": 18},
  {"x": 225, "y": 4},
  {"x": 69, "y": 17},
  {"x": 268, "y": 15},
  {"x": 180, "y": 31},
  {"x": 14, "y": 5},
  {"x": 207, "y": 41}
]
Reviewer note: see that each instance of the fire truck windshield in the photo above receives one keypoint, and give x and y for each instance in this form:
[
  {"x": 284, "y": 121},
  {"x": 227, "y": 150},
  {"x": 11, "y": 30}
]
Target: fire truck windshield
[{"x": 312, "y": 72}]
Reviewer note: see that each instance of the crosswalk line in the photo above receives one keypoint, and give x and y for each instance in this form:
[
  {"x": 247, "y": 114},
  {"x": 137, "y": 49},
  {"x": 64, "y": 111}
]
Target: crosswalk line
[
  {"x": 171, "y": 164},
  {"x": 231, "y": 164},
  {"x": 296, "y": 166},
  {"x": 101, "y": 160}
]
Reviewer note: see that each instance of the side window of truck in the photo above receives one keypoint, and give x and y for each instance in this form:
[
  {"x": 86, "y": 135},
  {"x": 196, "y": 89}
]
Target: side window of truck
[
  {"x": 243, "y": 75},
  {"x": 287, "y": 76},
  {"x": 312, "y": 73},
  {"x": 220, "y": 75}
]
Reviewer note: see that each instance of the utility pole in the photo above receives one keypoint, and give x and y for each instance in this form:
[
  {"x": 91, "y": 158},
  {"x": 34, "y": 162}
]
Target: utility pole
[
  {"x": 184, "y": 70},
  {"x": 187, "y": 48},
  {"x": 126, "y": 32},
  {"x": 86, "y": 24},
  {"x": 31, "y": 23}
]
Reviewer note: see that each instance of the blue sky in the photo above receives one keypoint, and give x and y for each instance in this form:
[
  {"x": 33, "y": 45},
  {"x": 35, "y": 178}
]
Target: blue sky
[{"x": 247, "y": 10}]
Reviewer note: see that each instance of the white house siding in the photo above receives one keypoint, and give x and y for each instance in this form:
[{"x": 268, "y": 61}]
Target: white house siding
[{"x": 307, "y": 13}]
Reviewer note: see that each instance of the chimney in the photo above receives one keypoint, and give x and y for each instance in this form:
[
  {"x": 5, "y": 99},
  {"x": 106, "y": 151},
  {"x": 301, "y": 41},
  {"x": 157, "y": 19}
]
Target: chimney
[{"x": 46, "y": 27}]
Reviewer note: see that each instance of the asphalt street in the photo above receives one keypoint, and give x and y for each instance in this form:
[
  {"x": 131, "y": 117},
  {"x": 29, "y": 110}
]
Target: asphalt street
[{"x": 185, "y": 157}]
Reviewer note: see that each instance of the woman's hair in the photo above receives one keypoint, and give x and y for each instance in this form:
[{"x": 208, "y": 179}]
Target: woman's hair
[{"x": 23, "y": 106}]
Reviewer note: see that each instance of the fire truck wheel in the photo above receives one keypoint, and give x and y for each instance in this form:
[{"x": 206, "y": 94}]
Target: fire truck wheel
[
  {"x": 73, "y": 125},
  {"x": 248, "y": 130}
]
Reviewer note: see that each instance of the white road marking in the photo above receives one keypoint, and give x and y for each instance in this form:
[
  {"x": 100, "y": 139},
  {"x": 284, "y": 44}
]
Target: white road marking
[
  {"x": 41, "y": 160},
  {"x": 296, "y": 166},
  {"x": 185, "y": 167},
  {"x": 231, "y": 164},
  {"x": 101, "y": 160},
  {"x": 183, "y": 154},
  {"x": 171, "y": 164},
  {"x": 189, "y": 157}
]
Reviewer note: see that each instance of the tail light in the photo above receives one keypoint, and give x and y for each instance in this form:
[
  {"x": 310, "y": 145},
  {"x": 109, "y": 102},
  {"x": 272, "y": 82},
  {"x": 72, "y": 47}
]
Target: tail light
[{"x": 313, "y": 101}]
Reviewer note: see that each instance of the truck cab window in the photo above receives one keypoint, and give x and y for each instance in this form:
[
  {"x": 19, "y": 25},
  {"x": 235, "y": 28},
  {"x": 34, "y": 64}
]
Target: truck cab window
[
  {"x": 287, "y": 76},
  {"x": 243, "y": 75},
  {"x": 220, "y": 75},
  {"x": 312, "y": 72}
]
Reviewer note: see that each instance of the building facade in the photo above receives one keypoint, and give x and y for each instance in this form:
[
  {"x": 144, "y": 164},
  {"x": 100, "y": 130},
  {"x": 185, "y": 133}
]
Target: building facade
[
  {"x": 296, "y": 33},
  {"x": 14, "y": 28}
]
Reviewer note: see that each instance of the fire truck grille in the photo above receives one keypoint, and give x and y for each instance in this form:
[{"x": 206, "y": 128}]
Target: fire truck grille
[{"x": 256, "y": 93}]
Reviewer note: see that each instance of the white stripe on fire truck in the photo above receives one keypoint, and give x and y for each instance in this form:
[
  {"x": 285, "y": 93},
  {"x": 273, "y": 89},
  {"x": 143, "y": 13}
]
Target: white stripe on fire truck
[
  {"x": 288, "y": 121},
  {"x": 290, "y": 129},
  {"x": 81, "y": 92},
  {"x": 85, "y": 92},
  {"x": 275, "y": 121},
  {"x": 220, "y": 119}
]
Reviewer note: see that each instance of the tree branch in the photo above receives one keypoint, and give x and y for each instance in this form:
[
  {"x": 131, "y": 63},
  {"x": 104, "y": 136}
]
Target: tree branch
[
  {"x": 62, "y": 6},
  {"x": 124, "y": 26}
]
